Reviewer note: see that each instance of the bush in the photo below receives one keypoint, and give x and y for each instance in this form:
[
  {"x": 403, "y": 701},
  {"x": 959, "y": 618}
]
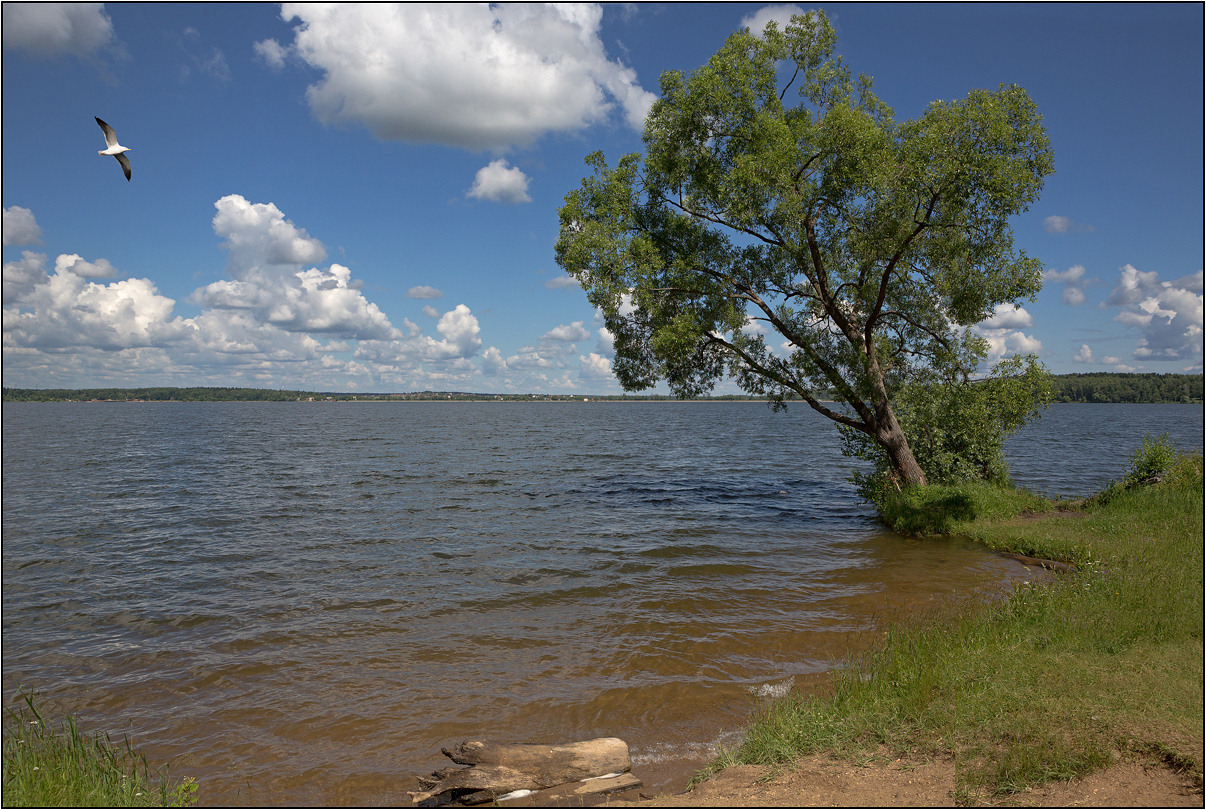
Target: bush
[{"x": 1152, "y": 461}]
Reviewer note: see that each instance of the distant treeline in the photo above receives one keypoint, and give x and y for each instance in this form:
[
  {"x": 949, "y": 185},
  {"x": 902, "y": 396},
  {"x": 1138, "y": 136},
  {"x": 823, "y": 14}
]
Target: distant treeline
[
  {"x": 169, "y": 394},
  {"x": 1104, "y": 387}
]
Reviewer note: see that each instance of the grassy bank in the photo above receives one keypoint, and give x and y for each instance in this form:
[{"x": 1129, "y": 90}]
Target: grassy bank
[
  {"x": 53, "y": 764},
  {"x": 1056, "y": 680}
]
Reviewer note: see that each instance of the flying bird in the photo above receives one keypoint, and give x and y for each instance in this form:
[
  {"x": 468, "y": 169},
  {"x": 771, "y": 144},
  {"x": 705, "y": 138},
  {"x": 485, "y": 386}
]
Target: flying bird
[{"x": 114, "y": 148}]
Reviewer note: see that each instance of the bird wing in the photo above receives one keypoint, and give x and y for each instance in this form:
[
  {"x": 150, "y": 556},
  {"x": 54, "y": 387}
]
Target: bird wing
[
  {"x": 110, "y": 135},
  {"x": 125, "y": 164}
]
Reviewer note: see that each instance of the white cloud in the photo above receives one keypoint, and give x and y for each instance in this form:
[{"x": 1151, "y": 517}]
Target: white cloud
[
  {"x": 424, "y": 292},
  {"x": 1008, "y": 316},
  {"x": 478, "y": 76},
  {"x": 1073, "y": 280},
  {"x": 1070, "y": 276},
  {"x": 1168, "y": 313},
  {"x": 271, "y": 52},
  {"x": 267, "y": 254},
  {"x": 1133, "y": 286},
  {"x": 1004, "y": 335},
  {"x": 607, "y": 343},
  {"x": 273, "y": 319},
  {"x": 21, "y": 277},
  {"x": 499, "y": 183},
  {"x": 460, "y": 329},
  {"x": 596, "y": 367},
  {"x": 1058, "y": 224},
  {"x": 567, "y": 333},
  {"x": 1073, "y": 296},
  {"x": 66, "y": 311},
  {"x": 562, "y": 283},
  {"x": 493, "y": 363},
  {"x": 1085, "y": 355},
  {"x": 74, "y": 263},
  {"x": 50, "y": 29},
  {"x": 20, "y": 227},
  {"x": 781, "y": 14},
  {"x": 1116, "y": 364}
]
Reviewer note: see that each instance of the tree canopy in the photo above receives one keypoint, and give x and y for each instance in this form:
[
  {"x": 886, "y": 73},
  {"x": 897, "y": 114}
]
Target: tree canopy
[{"x": 807, "y": 244}]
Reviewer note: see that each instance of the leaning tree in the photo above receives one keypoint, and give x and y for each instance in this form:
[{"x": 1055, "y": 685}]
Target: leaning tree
[{"x": 812, "y": 246}]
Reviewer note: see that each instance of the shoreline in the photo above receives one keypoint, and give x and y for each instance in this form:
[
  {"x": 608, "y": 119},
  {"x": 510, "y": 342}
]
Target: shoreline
[{"x": 1140, "y": 756}]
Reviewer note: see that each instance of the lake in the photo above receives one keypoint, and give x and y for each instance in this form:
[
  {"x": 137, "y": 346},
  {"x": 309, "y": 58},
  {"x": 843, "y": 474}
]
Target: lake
[{"x": 300, "y": 603}]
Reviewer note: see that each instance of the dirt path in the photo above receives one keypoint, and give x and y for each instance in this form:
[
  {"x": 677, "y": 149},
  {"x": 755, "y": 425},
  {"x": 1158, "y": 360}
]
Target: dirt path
[{"x": 823, "y": 782}]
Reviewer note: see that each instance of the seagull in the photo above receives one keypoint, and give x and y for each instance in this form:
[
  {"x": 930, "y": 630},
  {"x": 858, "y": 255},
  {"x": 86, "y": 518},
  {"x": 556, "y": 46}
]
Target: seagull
[{"x": 115, "y": 148}]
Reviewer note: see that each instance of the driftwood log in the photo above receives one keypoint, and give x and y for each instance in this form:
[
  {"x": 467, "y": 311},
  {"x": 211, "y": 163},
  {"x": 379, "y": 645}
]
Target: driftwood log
[
  {"x": 1050, "y": 565},
  {"x": 495, "y": 770}
]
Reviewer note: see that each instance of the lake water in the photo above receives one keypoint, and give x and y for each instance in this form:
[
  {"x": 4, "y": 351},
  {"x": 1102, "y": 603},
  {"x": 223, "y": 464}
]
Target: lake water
[{"x": 301, "y": 603}]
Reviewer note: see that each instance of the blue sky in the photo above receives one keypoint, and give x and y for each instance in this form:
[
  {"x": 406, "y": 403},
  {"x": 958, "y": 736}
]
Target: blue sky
[{"x": 364, "y": 198}]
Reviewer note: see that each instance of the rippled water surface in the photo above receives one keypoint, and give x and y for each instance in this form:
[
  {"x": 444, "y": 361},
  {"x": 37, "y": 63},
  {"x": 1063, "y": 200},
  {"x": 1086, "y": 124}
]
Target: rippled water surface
[{"x": 301, "y": 603}]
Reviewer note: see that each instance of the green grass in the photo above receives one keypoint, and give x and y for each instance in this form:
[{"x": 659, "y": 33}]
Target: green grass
[
  {"x": 1052, "y": 682},
  {"x": 54, "y": 764}
]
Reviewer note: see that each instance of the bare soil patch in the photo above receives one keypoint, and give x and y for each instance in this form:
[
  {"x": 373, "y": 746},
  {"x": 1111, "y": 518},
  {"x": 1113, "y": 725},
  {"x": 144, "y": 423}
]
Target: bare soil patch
[{"x": 825, "y": 782}]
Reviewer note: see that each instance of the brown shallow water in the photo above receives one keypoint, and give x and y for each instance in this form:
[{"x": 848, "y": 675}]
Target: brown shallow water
[{"x": 300, "y": 604}]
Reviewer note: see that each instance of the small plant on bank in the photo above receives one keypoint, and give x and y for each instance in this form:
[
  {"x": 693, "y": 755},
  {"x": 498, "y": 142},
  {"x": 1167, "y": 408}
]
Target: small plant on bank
[
  {"x": 54, "y": 764},
  {"x": 1150, "y": 464},
  {"x": 1152, "y": 461}
]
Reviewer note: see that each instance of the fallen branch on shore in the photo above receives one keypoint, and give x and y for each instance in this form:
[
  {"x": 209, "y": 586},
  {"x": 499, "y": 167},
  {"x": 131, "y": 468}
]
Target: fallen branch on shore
[
  {"x": 496, "y": 770},
  {"x": 1050, "y": 565}
]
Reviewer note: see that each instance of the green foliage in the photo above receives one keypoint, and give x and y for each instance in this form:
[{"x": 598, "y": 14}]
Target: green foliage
[
  {"x": 56, "y": 765},
  {"x": 1051, "y": 681},
  {"x": 956, "y": 429},
  {"x": 864, "y": 242},
  {"x": 1153, "y": 460}
]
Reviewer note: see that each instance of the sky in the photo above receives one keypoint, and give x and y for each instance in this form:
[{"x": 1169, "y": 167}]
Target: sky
[{"x": 364, "y": 198}]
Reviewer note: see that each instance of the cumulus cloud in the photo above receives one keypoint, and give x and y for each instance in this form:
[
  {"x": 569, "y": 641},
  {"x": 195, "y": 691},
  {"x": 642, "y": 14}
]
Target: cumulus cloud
[
  {"x": 1085, "y": 355},
  {"x": 20, "y": 227},
  {"x": 258, "y": 235},
  {"x": 1073, "y": 280},
  {"x": 567, "y": 333},
  {"x": 1070, "y": 276},
  {"x": 276, "y": 317},
  {"x": 1168, "y": 313},
  {"x": 267, "y": 255},
  {"x": 595, "y": 367},
  {"x": 1003, "y": 331},
  {"x": 500, "y": 183},
  {"x": 21, "y": 277},
  {"x": 460, "y": 330},
  {"x": 478, "y": 76},
  {"x": 46, "y": 30},
  {"x": 780, "y": 14},
  {"x": 66, "y": 311},
  {"x": 74, "y": 263}
]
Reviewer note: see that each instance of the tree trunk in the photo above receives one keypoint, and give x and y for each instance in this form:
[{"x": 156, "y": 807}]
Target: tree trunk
[
  {"x": 889, "y": 433},
  {"x": 904, "y": 465}
]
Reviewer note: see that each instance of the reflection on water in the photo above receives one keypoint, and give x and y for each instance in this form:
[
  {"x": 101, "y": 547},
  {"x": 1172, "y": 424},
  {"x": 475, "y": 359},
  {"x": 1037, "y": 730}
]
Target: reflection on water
[{"x": 302, "y": 603}]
